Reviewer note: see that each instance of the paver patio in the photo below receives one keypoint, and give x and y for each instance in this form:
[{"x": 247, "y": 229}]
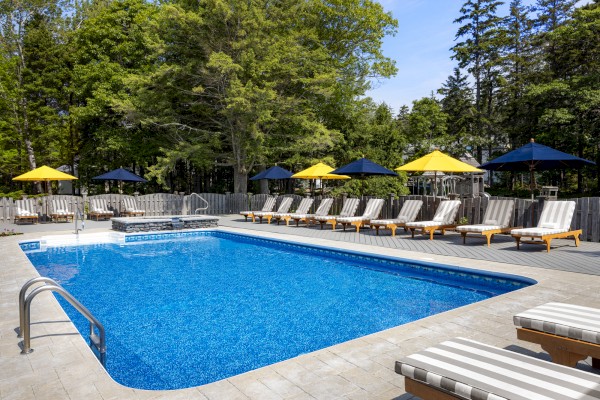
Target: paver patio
[{"x": 63, "y": 367}]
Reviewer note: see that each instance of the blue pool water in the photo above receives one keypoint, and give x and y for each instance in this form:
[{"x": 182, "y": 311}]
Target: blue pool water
[{"x": 192, "y": 310}]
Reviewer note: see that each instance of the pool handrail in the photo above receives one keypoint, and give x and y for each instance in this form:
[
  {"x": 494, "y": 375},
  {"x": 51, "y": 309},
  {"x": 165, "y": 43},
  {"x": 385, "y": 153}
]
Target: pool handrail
[
  {"x": 202, "y": 199},
  {"x": 98, "y": 341}
]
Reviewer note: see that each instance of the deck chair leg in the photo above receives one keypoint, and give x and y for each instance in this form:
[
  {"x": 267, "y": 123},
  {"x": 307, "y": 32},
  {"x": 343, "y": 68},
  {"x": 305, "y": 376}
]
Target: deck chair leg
[
  {"x": 548, "y": 244},
  {"x": 489, "y": 238},
  {"x": 518, "y": 239},
  {"x": 377, "y": 230},
  {"x": 576, "y": 237},
  {"x": 412, "y": 232},
  {"x": 431, "y": 231},
  {"x": 393, "y": 229}
]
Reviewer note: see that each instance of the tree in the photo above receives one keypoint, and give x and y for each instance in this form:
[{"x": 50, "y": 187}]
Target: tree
[
  {"x": 265, "y": 75},
  {"x": 457, "y": 104},
  {"x": 478, "y": 53},
  {"x": 427, "y": 126},
  {"x": 567, "y": 106},
  {"x": 114, "y": 44},
  {"x": 32, "y": 72}
]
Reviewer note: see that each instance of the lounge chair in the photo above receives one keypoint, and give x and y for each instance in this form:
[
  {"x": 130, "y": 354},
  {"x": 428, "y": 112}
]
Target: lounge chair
[
  {"x": 443, "y": 219},
  {"x": 323, "y": 209},
  {"x": 60, "y": 210},
  {"x": 130, "y": 208},
  {"x": 348, "y": 210},
  {"x": 284, "y": 207},
  {"x": 554, "y": 223},
  {"x": 24, "y": 211},
  {"x": 372, "y": 211},
  {"x": 496, "y": 219},
  {"x": 303, "y": 208},
  {"x": 268, "y": 206},
  {"x": 99, "y": 209},
  {"x": 569, "y": 333},
  {"x": 465, "y": 369},
  {"x": 408, "y": 213}
]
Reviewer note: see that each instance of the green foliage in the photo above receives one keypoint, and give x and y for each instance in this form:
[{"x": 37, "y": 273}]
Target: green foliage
[{"x": 379, "y": 186}]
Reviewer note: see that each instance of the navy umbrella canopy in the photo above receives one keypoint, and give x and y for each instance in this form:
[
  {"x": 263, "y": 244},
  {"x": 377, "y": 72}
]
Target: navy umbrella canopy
[
  {"x": 274, "y": 172},
  {"x": 363, "y": 167},
  {"x": 120, "y": 174},
  {"x": 534, "y": 156}
]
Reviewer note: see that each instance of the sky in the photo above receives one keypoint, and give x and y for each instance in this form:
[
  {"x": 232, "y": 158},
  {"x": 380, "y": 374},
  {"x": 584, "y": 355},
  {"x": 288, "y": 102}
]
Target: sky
[{"x": 421, "y": 49}]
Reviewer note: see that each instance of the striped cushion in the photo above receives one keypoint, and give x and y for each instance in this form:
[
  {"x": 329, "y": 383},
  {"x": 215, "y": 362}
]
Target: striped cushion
[
  {"x": 477, "y": 228},
  {"x": 372, "y": 210},
  {"x": 324, "y": 207},
  {"x": 304, "y": 206},
  {"x": 267, "y": 207},
  {"x": 499, "y": 212},
  {"x": 446, "y": 211},
  {"x": 348, "y": 210},
  {"x": 389, "y": 221},
  {"x": 284, "y": 207},
  {"x": 423, "y": 224},
  {"x": 350, "y": 207},
  {"x": 534, "y": 232},
  {"x": 568, "y": 320},
  {"x": 472, "y": 370},
  {"x": 558, "y": 214}
]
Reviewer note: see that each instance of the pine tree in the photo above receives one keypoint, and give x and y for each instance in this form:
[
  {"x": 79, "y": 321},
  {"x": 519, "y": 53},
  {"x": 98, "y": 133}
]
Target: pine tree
[{"x": 478, "y": 52}]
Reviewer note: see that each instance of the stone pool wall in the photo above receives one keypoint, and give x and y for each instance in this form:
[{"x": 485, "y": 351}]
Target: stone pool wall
[{"x": 141, "y": 224}]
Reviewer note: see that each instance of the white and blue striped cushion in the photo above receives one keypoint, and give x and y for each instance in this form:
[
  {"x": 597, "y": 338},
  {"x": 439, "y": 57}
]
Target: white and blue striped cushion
[
  {"x": 556, "y": 218},
  {"x": 568, "y": 320},
  {"x": 477, "y": 228},
  {"x": 444, "y": 215},
  {"x": 372, "y": 210},
  {"x": 348, "y": 210},
  {"x": 284, "y": 207},
  {"x": 475, "y": 371},
  {"x": 268, "y": 206}
]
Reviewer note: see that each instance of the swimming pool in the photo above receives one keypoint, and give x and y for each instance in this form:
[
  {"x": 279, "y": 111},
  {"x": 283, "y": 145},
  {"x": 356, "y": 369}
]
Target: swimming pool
[{"x": 191, "y": 308}]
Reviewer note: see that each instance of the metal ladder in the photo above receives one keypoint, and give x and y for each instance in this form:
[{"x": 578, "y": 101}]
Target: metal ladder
[
  {"x": 97, "y": 341},
  {"x": 202, "y": 199}
]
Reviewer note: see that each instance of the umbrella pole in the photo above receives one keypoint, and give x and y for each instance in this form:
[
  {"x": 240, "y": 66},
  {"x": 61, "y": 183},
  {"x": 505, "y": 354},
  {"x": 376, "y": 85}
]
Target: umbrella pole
[{"x": 531, "y": 189}]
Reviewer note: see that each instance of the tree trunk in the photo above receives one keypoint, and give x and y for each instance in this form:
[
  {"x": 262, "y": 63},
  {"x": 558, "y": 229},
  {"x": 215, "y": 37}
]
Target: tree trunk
[{"x": 240, "y": 179}]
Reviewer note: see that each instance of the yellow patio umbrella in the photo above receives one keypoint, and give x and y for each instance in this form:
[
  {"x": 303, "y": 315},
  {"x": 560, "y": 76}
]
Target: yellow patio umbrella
[
  {"x": 436, "y": 161},
  {"x": 318, "y": 171},
  {"x": 46, "y": 174}
]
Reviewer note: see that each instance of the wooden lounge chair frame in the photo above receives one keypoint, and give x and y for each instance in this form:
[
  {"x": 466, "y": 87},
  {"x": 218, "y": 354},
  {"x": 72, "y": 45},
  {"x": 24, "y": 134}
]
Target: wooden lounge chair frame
[
  {"x": 31, "y": 218},
  {"x": 396, "y": 225},
  {"x": 100, "y": 214},
  {"x": 441, "y": 226},
  {"x": 547, "y": 239},
  {"x": 431, "y": 229},
  {"x": 288, "y": 217},
  {"x": 310, "y": 218},
  {"x": 550, "y": 213},
  {"x": 426, "y": 392},
  {"x": 489, "y": 234},
  {"x": 131, "y": 213},
  {"x": 264, "y": 209},
  {"x": 563, "y": 350},
  {"x": 27, "y": 206},
  {"x": 56, "y": 216},
  {"x": 376, "y": 207},
  {"x": 333, "y": 219},
  {"x": 269, "y": 216}
]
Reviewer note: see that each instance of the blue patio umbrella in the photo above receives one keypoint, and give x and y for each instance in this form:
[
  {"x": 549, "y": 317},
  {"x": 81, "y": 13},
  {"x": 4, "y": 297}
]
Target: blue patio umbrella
[
  {"x": 119, "y": 174},
  {"x": 274, "y": 172},
  {"x": 535, "y": 157},
  {"x": 363, "y": 167}
]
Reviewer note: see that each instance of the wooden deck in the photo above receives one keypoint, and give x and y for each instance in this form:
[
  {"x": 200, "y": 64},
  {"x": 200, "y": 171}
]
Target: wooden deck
[{"x": 563, "y": 257}]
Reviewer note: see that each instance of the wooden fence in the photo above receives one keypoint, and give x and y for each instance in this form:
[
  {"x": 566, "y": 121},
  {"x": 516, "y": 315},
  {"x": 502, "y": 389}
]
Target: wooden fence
[{"x": 587, "y": 212}]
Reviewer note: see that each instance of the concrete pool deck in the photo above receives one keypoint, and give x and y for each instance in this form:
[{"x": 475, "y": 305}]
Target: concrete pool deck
[{"x": 63, "y": 367}]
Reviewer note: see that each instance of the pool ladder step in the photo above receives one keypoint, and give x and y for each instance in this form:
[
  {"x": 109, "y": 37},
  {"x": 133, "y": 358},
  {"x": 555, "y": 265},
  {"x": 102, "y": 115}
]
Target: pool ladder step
[{"x": 97, "y": 341}]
